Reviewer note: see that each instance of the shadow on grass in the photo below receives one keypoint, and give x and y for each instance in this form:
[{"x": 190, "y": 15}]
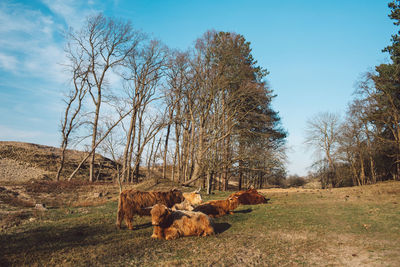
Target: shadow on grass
[
  {"x": 136, "y": 227},
  {"x": 42, "y": 244},
  {"x": 244, "y": 211},
  {"x": 42, "y": 240},
  {"x": 221, "y": 227},
  {"x": 142, "y": 226}
]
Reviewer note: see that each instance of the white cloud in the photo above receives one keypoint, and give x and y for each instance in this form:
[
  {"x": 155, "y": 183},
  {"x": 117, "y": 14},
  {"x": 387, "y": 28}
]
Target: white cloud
[
  {"x": 8, "y": 62},
  {"x": 46, "y": 62},
  {"x": 73, "y": 12},
  {"x": 28, "y": 46},
  {"x": 30, "y": 42}
]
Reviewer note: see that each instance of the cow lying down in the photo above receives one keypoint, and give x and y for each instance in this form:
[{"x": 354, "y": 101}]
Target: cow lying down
[
  {"x": 169, "y": 224},
  {"x": 218, "y": 208},
  {"x": 250, "y": 197},
  {"x": 133, "y": 202},
  {"x": 185, "y": 205}
]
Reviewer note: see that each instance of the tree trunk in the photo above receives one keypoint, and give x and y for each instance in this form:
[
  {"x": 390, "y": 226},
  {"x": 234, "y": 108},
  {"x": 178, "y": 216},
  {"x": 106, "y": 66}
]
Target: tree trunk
[
  {"x": 209, "y": 182},
  {"x": 154, "y": 160},
  {"x": 165, "y": 151},
  {"x": 138, "y": 152},
  {"x": 61, "y": 166},
  {"x": 94, "y": 136},
  {"x": 150, "y": 157},
  {"x": 127, "y": 156},
  {"x": 240, "y": 179}
]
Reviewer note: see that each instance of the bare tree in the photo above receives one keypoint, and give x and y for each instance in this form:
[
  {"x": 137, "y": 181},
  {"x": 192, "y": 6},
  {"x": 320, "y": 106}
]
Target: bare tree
[
  {"x": 112, "y": 146},
  {"x": 98, "y": 142},
  {"x": 322, "y": 134},
  {"x": 73, "y": 101},
  {"x": 103, "y": 44},
  {"x": 142, "y": 80}
]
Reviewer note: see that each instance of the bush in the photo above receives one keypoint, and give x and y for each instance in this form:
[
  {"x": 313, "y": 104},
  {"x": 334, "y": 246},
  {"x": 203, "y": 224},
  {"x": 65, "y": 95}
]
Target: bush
[{"x": 295, "y": 181}]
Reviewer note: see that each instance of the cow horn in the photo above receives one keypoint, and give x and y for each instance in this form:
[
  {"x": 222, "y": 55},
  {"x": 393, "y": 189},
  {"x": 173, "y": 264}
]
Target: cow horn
[{"x": 149, "y": 208}]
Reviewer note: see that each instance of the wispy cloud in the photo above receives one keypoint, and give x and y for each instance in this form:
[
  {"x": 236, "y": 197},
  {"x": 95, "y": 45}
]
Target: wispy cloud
[
  {"x": 8, "y": 62},
  {"x": 31, "y": 42},
  {"x": 28, "y": 45},
  {"x": 32, "y": 60},
  {"x": 73, "y": 12}
]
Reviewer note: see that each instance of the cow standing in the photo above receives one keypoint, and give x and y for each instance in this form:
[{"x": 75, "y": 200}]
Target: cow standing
[{"x": 169, "y": 224}]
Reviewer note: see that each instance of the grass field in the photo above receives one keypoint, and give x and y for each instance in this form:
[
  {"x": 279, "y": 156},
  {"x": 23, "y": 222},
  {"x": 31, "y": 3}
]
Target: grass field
[{"x": 343, "y": 227}]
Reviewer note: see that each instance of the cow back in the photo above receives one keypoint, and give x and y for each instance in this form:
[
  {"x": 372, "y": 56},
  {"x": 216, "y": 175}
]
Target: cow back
[
  {"x": 138, "y": 202},
  {"x": 250, "y": 197}
]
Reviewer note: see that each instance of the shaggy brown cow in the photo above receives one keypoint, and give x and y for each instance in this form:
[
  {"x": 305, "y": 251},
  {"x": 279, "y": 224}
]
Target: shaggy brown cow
[
  {"x": 193, "y": 198},
  {"x": 218, "y": 208},
  {"x": 133, "y": 202},
  {"x": 185, "y": 205},
  {"x": 170, "y": 224},
  {"x": 250, "y": 197}
]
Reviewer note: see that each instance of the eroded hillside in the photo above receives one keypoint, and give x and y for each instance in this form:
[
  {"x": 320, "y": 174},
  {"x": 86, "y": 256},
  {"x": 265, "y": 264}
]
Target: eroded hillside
[{"x": 21, "y": 162}]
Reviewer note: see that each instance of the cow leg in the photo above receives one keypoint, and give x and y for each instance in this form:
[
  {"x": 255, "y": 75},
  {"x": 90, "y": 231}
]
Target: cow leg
[
  {"x": 120, "y": 217},
  {"x": 157, "y": 232},
  {"x": 128, "y": 221}
]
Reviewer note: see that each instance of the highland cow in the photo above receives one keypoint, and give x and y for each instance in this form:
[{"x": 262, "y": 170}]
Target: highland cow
[
  {"x": 218, "y": 208},
  {"x": 169, "y": 224},
  {"x": 193, "y": 198},
  {"x": 250, "y": 197},
  {"x": 133, "y": 202}
]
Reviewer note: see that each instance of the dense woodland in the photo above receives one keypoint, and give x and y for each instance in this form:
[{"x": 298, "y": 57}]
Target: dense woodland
[{"x": 204, "y": 116}]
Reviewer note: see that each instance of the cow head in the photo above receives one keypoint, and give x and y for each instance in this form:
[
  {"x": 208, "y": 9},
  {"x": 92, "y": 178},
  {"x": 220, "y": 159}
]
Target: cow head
[
  {"x": 257, "y": 196},
  {"x": 233, "y": 202},
  {"x": 177, "y": 195},
  {"x": 194, "y": 198},
  {"x": 159, "y": 214}
]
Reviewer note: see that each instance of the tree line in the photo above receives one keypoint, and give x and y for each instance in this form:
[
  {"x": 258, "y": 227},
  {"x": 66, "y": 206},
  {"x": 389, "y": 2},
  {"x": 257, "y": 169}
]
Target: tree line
[
  {"x": 201, "y": 116},
  {"x": 364, "y": 146}
]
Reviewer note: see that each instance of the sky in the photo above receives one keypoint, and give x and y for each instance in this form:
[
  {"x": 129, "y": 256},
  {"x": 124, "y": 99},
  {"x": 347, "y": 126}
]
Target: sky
[{"x": 315, "y": 51}]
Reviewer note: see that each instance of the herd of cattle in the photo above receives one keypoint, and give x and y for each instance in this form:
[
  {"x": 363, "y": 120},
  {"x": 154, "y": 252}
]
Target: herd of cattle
[{"x": 175, "y": 214}]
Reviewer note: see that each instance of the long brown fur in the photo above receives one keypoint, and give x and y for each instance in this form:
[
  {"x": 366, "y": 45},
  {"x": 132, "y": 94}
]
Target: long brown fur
[
  {"x": 250, "y": 197},
  {"x": 193, "y": 198},
  {"x": 185, "y": 205},
  {"x": 169, "y": 224},
  {"x": 218, "y": 208},
  {"x": 133, "y": 202}
]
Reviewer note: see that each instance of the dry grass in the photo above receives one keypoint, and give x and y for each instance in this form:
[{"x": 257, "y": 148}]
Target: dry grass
[{"x": 339, "y": 227}]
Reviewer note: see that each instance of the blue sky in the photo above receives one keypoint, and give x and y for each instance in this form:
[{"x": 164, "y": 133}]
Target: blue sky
[{"x": 315, "y": 51}]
